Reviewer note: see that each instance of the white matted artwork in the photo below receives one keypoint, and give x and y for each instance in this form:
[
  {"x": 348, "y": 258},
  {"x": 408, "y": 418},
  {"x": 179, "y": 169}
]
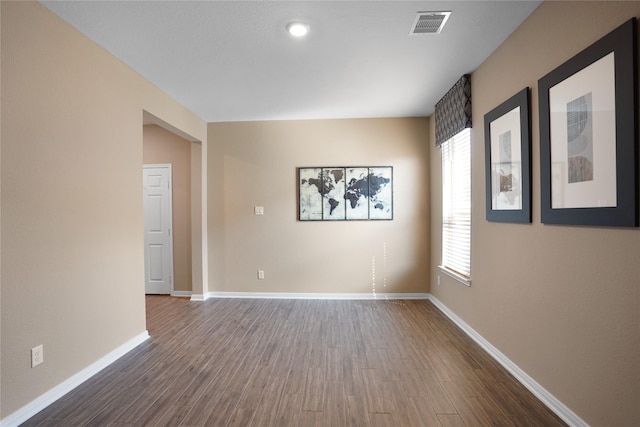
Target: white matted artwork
[
  {"x": 588, "y": 135},
  {"x": 582, "y": 126},
  {"x": 506, "y": 162}
]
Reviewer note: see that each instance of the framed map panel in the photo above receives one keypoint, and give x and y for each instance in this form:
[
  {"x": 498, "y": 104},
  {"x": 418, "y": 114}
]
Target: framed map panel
[
  {"x": 380, "y": 193},
  {"x": 345, "y": 193},
  {"x": 357, "y": 194},
  {"x": 310, "y": 188},
  {"x": 333, "y": 188}
]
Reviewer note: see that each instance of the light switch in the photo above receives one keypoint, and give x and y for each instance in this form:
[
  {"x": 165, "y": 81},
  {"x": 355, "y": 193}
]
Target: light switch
[{"x": 259, "y": 210}]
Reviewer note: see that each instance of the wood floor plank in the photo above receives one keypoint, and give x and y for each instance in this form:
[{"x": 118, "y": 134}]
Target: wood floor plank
[
  {"x": 311, "y": 419},
  {"x": 261, "y": 363},
  {"x": 374, "y": 392},
  {"x": 254, "y": 389},
  {"x": 424, "y": 412},
  {"x": 465, "y": 377},
  {"x": 435, "y": 393},
  {"x": 335, "y": 412},
  {"x": 267, "y": 408},
  {"x": 451, "y": 420},
  {"x": 289, "y": 411},
  {"x": 223, "y": 410},
  {"x": 355, "y": 412},
  {"x": 77, "y": 402},
  {"x": 475, "y": 411},
  {"x": 335, "y": 365},
  {"x": 401, "y": 408},
  {"x": 352, "y": 380},
  {"x": 173, "y": 416},
  {"x": 127, "y": 401},
  {"x": 377, "y": 419},
  {"x": 314, "y": 390},
  {"x": 296, "y": 377},
  {"x": 241, "y": 418},
  {"x": 200, "y": 409}
]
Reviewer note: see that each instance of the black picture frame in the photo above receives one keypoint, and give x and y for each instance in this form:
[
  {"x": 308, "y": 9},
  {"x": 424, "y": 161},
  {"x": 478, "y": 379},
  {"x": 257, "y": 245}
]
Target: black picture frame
[
  {"x": 595, "y": 181},
  {"x": 507, "y": 138}
]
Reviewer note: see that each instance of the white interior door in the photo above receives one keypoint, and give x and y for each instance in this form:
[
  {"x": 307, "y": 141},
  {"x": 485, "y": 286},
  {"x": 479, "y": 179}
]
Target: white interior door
[{"x": 158, "y": 239}]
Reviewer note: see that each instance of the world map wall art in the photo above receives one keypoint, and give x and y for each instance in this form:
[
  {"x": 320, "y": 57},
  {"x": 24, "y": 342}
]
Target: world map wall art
[{"x": 345, "y": 193}]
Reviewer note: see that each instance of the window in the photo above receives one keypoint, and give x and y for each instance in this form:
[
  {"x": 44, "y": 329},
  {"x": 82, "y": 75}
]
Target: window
[{"x": 456, "y": 206}]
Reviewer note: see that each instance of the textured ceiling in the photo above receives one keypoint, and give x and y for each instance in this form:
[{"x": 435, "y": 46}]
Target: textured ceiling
[{"x": 234, "y": 61}]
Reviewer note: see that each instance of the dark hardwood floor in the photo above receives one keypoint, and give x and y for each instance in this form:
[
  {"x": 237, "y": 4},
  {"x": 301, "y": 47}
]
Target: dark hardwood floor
[{"x": 252, "y": 362}]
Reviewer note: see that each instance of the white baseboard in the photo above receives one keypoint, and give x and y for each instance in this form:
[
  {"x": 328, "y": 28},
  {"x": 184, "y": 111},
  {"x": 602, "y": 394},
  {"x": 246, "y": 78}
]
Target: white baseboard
[
  {"x": 540, "y": 392},
  {"x": 183, "y": 294},
  {"x": 46, "y": 399},
  {"x": 333, "y": 296}
]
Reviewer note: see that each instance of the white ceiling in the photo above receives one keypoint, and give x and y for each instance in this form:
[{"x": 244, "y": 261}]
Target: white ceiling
[{"x": 234, "y": 61}]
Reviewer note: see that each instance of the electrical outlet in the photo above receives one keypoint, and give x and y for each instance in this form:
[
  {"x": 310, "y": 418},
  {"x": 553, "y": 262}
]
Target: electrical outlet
[
  {"x": 37, "y": 356},
  {"x": 258, "y": 210},
  {"x": 261, "y": 274}
]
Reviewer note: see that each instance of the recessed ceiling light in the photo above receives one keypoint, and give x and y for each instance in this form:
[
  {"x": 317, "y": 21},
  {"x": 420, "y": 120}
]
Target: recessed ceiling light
[{"x": 298, "y": 29}]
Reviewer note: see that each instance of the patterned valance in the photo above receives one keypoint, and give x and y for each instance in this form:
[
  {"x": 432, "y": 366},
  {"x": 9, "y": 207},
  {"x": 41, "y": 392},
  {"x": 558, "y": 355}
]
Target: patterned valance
[{"x": 453, "y": 111}]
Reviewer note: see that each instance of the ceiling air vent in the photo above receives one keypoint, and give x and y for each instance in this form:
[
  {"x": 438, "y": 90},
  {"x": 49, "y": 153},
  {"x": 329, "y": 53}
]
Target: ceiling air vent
[{"x": 429, "y": 22}]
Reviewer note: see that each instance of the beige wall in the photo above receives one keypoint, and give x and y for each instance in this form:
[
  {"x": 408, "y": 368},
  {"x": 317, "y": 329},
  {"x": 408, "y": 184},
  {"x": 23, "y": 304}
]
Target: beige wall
[
  {"x": 72, "y": 265},
  {"x": 254, "y": 164},
  {"x": 196, "y": 219},
  {"x": 563, "y": 303},
  {"x": 161, "y": 146}
]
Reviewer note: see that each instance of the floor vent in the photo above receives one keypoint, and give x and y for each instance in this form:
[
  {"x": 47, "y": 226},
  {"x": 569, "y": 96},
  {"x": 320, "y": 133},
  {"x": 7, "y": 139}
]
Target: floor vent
[{"x": 429, "y": 22}]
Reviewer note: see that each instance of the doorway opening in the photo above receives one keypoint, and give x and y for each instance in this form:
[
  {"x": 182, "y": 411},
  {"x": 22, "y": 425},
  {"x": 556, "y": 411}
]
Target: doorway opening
[{"x": 166, "y": 145}]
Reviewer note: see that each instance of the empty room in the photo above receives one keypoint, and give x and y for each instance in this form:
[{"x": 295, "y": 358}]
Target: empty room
[{"x": 319, "y": 213}]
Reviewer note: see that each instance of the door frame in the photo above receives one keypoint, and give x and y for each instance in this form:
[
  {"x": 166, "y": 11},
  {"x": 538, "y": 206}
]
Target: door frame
[{"x": 200, "y": 239}]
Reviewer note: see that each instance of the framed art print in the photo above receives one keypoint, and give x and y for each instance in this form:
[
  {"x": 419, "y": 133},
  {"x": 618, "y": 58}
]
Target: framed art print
[
  {"x": 345, "y": 193},
  {"x": 588, "y": 136},
  {"x": 310, "y": 194},
  {"x": 380, "y": 192},
  {"x": 507, "y": 138}
]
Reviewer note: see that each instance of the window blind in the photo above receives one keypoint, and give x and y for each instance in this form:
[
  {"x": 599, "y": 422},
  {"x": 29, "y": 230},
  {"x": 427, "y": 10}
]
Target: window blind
[{"x": 456, "y": 204}]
